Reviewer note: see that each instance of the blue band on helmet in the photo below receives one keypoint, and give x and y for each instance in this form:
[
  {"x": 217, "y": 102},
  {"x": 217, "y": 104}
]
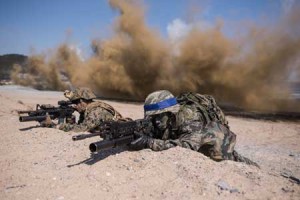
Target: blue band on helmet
[{"x": 161, "y": 105}]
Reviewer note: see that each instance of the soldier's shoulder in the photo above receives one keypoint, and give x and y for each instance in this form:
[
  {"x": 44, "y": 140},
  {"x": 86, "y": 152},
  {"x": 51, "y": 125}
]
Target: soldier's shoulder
[
  {"x": 186, "y": 113},
  {"x": 95, "y": 106},
  {"x": 187, "y": 109},
  {"x": 101, "y": 107},
  {"x": 98, "y": 104}
]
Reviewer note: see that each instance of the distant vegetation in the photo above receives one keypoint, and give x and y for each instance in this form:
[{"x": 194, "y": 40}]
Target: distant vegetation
[{"x": 8, "y": 61}]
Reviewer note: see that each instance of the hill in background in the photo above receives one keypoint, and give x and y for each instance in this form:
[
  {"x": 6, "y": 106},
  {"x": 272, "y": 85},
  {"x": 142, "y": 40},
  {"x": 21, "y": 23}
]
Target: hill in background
[{"x": 7, "y": 62}]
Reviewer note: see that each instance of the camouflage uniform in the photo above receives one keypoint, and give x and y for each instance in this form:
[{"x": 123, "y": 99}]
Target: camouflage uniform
[
  {"x": 214, "y": 140},
  {"x": 95, "y": 112},
  {"x": 190, "y": 128}
]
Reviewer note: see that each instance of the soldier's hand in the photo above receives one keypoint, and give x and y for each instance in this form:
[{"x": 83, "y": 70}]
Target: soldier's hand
[
  {"x": 71, "y": 119},
  {"x": 47, "y": 122},
  {"x": 141, "y": 141}
]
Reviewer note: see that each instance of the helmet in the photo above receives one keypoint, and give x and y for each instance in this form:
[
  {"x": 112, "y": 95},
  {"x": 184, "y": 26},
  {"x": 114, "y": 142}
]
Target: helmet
[
  {"x": 80, "y": 93},
  {"x": 159, "y": 102}
]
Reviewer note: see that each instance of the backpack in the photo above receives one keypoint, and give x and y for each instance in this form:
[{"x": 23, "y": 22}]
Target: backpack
[
  {"x": 116, "y": 115},
  {"x": 206, "y": 105}
]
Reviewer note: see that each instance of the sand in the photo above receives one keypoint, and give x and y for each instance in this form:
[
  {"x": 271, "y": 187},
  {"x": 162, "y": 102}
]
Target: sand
[{"x": 44, "y": 163}]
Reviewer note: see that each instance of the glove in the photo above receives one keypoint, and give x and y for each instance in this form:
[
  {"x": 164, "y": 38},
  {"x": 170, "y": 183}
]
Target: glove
[
  {"x": 141, "y": 141},
  {"x": 71, "y": 119},
  {"x": 47, "y": 122}
]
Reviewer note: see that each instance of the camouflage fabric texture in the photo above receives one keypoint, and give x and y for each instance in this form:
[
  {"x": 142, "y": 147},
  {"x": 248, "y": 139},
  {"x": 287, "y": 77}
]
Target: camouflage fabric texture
[
  {"x": 159, "y": 96},
  {"x": 80, "y": 93},
  {"x": 190, "y": 131},
  {"x": 206, "y": 105},
  {"x": 201, "y": 127},
  {"x": 95, "y": 113}
]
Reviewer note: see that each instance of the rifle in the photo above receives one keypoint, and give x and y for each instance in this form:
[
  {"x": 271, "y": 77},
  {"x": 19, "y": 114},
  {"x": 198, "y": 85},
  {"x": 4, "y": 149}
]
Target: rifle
[
  {"x": 62, "y": 112},
  {"x": 115, "y": 133}
]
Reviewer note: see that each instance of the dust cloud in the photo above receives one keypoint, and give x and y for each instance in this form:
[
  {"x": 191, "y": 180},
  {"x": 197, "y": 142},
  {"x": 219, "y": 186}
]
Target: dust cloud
[{"x": 251, "y": 72}]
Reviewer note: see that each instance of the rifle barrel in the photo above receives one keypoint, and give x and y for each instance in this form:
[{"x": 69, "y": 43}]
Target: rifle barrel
[
  {"x": 84, "y": 136},
  {"x": 25, "y": 111},
  {"x": 34, "y": 118},
  {"x": 107, "y": 144}
]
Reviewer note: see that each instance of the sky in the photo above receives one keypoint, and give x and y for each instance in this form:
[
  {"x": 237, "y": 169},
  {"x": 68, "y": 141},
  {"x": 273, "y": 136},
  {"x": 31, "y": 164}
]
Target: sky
[{"x": 28, "y": 26}]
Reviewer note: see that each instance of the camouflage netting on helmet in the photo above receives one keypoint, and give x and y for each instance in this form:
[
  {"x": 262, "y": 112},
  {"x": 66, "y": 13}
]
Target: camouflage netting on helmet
[{"x": 80, "y": 93}]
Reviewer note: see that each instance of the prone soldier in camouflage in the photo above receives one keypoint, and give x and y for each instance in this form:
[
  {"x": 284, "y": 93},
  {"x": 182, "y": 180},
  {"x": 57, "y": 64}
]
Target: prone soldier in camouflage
[
  {"x": 92, "y": 112},
  {"x": 187, "y": 125}
]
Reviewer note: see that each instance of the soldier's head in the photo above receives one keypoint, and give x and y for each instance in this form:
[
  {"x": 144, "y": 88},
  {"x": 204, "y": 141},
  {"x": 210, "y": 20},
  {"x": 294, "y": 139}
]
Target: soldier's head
[
  {"x": 81, "y": 97},
  {"x": 160, "y": 106}
]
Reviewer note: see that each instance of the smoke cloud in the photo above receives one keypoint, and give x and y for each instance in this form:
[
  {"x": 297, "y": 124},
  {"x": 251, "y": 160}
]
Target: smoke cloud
[{"x": 251, "y": 71}]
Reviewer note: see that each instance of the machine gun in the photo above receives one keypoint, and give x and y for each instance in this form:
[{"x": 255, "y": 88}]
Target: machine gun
[
  {"x": 62, "y": 112},
  {"x": 115, "y": 133}
]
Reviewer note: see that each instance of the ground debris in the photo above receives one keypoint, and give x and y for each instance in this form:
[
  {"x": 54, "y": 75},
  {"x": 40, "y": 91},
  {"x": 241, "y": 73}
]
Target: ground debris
[
  {"x": 290, "y": 177},
  {"x": 223, "y": 185},
  {"x": 16, "y": 186}
]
